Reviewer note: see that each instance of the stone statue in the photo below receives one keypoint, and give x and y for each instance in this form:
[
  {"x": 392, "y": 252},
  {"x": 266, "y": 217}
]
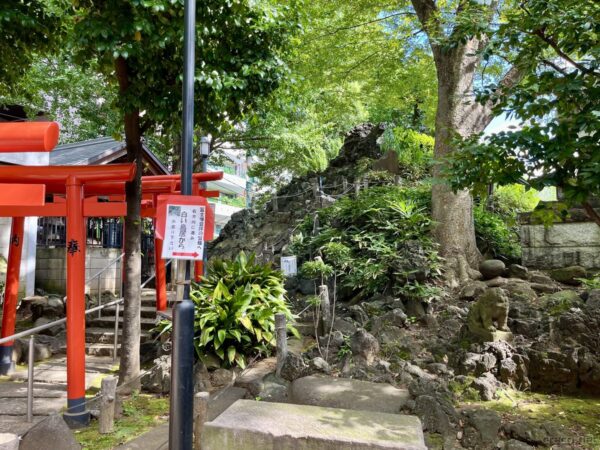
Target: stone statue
[{"x": 488, "y": 315}]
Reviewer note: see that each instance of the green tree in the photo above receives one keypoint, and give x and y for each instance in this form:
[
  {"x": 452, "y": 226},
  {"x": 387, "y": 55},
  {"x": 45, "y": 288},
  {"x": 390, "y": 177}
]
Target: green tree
[
  {"x": 27, "y": 28},
  {"x": 138, "y": 47},
  {"x": 350, "y": 64},
  {"x": 457, "y": 33},
  {"x": 77, "y": 98},
  {"x": 557, "y": 45}
]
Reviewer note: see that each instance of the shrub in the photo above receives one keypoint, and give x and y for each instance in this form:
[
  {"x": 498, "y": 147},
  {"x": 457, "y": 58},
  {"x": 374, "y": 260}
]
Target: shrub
[
  {"x": 495, "y": 236},
  {"x": 414, "y": 150},
  {"x": 377, "y": 242},
  {"x": 513, "y": 199},
  {"x": 235, "y": 305}
]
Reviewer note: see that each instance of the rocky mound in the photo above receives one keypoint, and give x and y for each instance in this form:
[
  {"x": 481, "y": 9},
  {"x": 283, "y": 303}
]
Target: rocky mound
[{"x": 267, "y": 232}]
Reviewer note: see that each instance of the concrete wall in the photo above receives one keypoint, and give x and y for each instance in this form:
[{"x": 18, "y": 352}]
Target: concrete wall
[
  {"x": 562, "y": 244},
  {"x": 51, "y": 270}
]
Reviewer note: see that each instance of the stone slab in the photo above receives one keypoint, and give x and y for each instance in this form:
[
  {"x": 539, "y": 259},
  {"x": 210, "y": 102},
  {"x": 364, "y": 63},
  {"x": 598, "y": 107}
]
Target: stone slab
[
  {"x": 9, "y": 441},
  {"x": 252, "y": 425},
  {"x": 155, "y": 439},
  {"x": 222, "y": 400},
  {"x": 492, "y": 336},
  {"x": 348, "y": 394}
]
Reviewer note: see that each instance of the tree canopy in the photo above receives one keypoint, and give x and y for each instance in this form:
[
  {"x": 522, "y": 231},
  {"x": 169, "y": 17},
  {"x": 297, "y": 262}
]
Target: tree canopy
[{"x": 556, "y": 43}]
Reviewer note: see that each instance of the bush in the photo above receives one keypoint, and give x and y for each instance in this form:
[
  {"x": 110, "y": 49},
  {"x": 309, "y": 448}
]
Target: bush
[
  {"x": 414, "y": 150},
  {"x": 235, "y": 306},
  {"x": 495, "y": 236},
  {"x": 377, "y": 242},
  {"x": 513, "y": 199}
]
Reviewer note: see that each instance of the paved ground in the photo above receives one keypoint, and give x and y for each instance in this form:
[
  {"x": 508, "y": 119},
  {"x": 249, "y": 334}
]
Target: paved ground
[{"x": 50, "y": 396}]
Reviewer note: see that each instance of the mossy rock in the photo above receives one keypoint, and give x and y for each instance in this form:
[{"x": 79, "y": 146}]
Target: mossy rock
[{"x": 561, "y": 301}]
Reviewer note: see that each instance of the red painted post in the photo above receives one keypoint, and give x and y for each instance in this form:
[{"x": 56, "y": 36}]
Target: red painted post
[
  {"x": 77, "y": 413},
  {"x": 161, "y": 273},
  {"x": 11, "y": 292}
]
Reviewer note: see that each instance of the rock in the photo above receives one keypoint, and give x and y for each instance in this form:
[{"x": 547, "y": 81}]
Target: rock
[
  {"x": 9, "y": 441},
  {"x": 540, "y": 278},
  {"x": 487, "y": 318},
  {"x": 544, "y": 288},
  {"x": 293, "y": 367},
  {"x": 50, "y": 433},
  {"x": 201, "y": 378},
  {"x": 496, "y": 282},
  {"x": 439, "y": 369},
  {"x": 222, "y": 378},
  {"x": 415, "y": 307},
  {"x": 358, "y": 314},
  {"x": 518, "y": 271},
  {"x": 158, "y": 381},
  {"x": 492, "y": 268},
  {"x": 569, "y": 275},
  {"x": 513, "y": 444},
  {"x": 348, "y": 394},
  {"x": 481, "y": 429},
  {"x": 252, "y": 378},
  {"x": 593, "y": 300},
  {"x": 344, "y": 325},
  {"x": 437, "y": 414},
  {"x": 486, "y": 385},
  {"x": 318, "y": 364},
  {"x": 520, "y": 292},
  {"x": 395, "y": 318},
  {"x": 472, "y": 290},
  {"x": 274, "y": 389},
  {"x": 364, "y": 347},
  {"x": 534, "y": 433},
  {"x": 52, "y": 331},
  {"x": 561, "y": 301}
]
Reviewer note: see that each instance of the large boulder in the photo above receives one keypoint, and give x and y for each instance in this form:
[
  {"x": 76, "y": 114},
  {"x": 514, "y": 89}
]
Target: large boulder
[
  {"x": 158, "y": 381},
  {"x": 492, "y": 268},
  {"x": 569, "y": 275}
]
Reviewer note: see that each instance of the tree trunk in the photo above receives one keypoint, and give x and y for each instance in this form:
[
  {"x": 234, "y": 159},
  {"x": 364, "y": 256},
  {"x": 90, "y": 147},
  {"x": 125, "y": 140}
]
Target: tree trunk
[
  {"x": 453, "y": 212},
  {"x": 129, "y": 368}
]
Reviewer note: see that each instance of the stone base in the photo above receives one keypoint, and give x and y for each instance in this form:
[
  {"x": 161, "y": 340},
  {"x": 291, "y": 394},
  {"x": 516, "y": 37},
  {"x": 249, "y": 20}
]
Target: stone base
[
  {"x": 492, "y": 336},
  {"x": 252, "y": 425}
]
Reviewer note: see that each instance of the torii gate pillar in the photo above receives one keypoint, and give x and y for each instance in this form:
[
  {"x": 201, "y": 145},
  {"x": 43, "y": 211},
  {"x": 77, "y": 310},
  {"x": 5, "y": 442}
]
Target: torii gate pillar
[{"x": 77, "y": 413}]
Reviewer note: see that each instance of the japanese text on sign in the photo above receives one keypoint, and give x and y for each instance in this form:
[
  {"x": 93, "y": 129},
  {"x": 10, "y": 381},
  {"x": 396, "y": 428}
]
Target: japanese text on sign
[
  {"x": 184, "y": 232},
  {"x": 289, "y": 266}
]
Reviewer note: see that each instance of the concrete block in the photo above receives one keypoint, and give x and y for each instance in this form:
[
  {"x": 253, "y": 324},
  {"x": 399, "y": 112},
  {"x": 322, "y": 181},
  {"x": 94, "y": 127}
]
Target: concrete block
[
  {"x": 252, "y": 425},
  {"x": 348, "y": 394},
  {"x": 9, "y": 441}
]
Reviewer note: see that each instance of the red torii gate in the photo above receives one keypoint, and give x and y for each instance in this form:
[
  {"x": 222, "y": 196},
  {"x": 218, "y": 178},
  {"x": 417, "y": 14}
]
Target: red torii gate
[{"x": 76, "y": 192}]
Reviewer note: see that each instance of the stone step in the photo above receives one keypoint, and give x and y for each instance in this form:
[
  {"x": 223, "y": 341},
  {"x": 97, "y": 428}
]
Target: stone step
[
  {"x": 101, "y": 349},
  {"x": 252, "y": 425},
  {"x": 108, "y": 322},
  {"x": 347, "y": 393},
  {"x": 145, "y": 311},
  {"x": 96, "y": 335}
]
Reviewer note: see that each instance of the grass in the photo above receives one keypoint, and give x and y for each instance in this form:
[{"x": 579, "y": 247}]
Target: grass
[
  {"x": 580, "y": 415},
  {"x": 141, "y": 412}
]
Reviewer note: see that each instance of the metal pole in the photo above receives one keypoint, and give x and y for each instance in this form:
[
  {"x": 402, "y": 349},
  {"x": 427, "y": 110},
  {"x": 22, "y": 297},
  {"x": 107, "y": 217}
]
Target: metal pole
[
  {"x": 116, "y": 340},
  {"x": 30, "y": 380},
  {"x": 181, "y": 421}
]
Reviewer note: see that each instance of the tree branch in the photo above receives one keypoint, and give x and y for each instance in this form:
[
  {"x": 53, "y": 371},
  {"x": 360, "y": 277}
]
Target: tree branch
[
  {"x": 552, "y": 43},
  {"x": 362, "y": 24},
  {"x": 591, "y": 212}
]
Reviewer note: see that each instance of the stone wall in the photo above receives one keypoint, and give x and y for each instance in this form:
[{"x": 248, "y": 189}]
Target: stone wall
[
  {"x": 560, "y": 245},
  {"x": 51, "y": 270}
]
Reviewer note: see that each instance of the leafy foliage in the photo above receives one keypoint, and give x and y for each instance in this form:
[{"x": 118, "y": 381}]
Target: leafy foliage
[
  {"x": 377, "y": 242},
  {"x": 238, "y": 45},
  {"x": 414, "y": 150},
  {"x": 510, "y": 200},
  {"x": 235, "y": 307},
  {"x": 28, "y": 28},
  {"x": 556, "y": 44},
  {"x": 495, "y": 236}
]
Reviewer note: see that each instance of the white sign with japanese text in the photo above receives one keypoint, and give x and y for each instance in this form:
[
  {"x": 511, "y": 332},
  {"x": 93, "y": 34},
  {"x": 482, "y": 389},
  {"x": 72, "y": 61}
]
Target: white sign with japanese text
[
  {"x": 289, "y": 266},
  {"x": 184, "y": 232}
]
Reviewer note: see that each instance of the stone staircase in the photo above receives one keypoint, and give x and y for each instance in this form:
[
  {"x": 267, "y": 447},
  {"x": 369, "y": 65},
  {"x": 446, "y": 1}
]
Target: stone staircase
[{"x": 100, "y": 331}]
